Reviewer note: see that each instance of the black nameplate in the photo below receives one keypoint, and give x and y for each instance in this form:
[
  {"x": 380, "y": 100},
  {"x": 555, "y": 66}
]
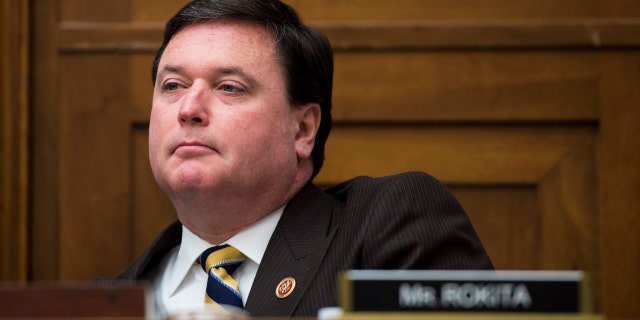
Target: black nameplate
[{"x": 463, "y": 291}]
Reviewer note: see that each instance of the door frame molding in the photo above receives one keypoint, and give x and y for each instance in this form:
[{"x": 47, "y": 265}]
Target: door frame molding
[{"x": 14, "y": 139}]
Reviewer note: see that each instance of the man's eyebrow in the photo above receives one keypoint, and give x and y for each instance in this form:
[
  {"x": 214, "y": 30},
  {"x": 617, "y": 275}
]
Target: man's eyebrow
[
  {"x": 238, "y": 72},
  {"x": 221, "y": 70},
  {"x": 169, "y": 69}
]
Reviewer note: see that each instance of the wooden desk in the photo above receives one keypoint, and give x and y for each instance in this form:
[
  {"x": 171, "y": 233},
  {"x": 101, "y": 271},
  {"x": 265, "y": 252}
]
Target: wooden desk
[{"x": 72, "y": 300}]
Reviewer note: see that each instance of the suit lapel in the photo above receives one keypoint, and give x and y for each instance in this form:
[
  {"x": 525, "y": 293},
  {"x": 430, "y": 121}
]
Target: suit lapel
[{"x": 296, "y": 249}]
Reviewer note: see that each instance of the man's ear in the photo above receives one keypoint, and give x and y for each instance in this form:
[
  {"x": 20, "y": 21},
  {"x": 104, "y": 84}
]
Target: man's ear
[{"x": 308, "y": 121}]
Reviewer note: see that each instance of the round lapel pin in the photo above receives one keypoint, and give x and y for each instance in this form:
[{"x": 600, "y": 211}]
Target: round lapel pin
[{"x": 285, "y": 287}]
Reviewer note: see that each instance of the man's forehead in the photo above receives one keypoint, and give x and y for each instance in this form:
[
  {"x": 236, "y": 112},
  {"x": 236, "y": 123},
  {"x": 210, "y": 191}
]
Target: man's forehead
[
  {"x": 230, "y": 24},
  {"x": 245, "y": 38},
  {"x": 230, "y": 42}
]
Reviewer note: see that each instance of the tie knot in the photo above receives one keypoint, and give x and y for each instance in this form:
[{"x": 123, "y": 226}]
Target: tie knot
[{"x": 224, "y": 256}]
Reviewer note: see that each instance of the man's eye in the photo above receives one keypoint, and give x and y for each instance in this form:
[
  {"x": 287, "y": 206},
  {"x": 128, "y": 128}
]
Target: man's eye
[
  {"x": 229, "y": 88},
  {"x": 171, "y": 86}
]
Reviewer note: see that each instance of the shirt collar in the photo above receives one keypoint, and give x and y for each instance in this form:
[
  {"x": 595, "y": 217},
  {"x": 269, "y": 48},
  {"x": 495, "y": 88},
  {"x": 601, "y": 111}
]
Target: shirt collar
[{"x": 252, "y": 242}]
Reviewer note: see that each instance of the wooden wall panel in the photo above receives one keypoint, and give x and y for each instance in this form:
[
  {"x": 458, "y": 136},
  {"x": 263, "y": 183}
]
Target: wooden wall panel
[
  {"x": 526, "y": 109},
  {"x": 14, "y": 135},
  {"x": 364, "y": 10},
  {"x": 466, "y": 86},
  {"x": 44, "y": 233},
  {"x": 94, "y": 165},
  {"x": 142, "y": 88},
  {"x": 151, "y": 209},
  {"x": 124, "y": 11},
  {"x": 619, "y": 183},
  {"x": 507, "y": 220},
  {"x": 470, "y": 155},
  {"x": 568, "y": 210},
  {"x": 443, "y": 9},
  {"x": 568, "y": 214},
  {"x": 95, "y": 10},
  {"x": 149, "y": 10}
]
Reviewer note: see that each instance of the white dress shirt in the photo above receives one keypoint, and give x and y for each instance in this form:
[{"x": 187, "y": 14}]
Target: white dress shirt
[{"x": 180, "y": 283}]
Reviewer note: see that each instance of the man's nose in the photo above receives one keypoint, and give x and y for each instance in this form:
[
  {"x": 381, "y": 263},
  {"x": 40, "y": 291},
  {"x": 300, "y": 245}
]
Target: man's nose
[{"x": 194, "y": 107}]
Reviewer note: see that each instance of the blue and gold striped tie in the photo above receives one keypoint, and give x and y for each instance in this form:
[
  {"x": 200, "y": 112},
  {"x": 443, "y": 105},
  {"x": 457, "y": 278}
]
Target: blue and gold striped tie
[{"x": 220, "y": 262}]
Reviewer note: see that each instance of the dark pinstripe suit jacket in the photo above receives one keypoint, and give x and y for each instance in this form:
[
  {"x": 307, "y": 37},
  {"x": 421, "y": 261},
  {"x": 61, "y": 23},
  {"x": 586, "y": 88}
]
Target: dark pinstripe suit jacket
[{"x": 407, "y": 221}]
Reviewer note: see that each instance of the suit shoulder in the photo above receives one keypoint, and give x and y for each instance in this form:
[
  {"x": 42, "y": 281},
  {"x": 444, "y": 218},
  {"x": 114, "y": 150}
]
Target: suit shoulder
[
  {"x": 411, "y": 190},
  {"x": 405, "y": 181}
]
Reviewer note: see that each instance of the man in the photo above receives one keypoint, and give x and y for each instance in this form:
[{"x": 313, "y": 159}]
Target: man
[{"x": 241, "y": 112}]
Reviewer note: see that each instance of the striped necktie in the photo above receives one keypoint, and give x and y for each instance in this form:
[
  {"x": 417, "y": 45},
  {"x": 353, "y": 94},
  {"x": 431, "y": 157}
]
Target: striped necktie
[{"x": 220, "y": 262}]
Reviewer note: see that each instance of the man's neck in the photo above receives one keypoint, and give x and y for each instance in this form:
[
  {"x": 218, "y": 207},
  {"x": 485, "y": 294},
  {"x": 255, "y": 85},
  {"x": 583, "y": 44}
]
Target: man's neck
[{"x": 216, "y": 217}]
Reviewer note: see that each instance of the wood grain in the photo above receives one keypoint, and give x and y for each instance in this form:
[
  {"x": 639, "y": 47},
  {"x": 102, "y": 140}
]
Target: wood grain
[{"x": 14, "y": 135}]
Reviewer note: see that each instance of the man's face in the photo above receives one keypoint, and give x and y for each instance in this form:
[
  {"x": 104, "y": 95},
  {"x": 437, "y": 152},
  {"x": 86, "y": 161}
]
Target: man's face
[{"x": 221, "y": 121}]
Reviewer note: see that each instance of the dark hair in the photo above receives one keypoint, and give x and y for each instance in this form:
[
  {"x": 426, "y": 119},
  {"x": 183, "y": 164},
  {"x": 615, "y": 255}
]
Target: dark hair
[{"x": 305, "y": 54}]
